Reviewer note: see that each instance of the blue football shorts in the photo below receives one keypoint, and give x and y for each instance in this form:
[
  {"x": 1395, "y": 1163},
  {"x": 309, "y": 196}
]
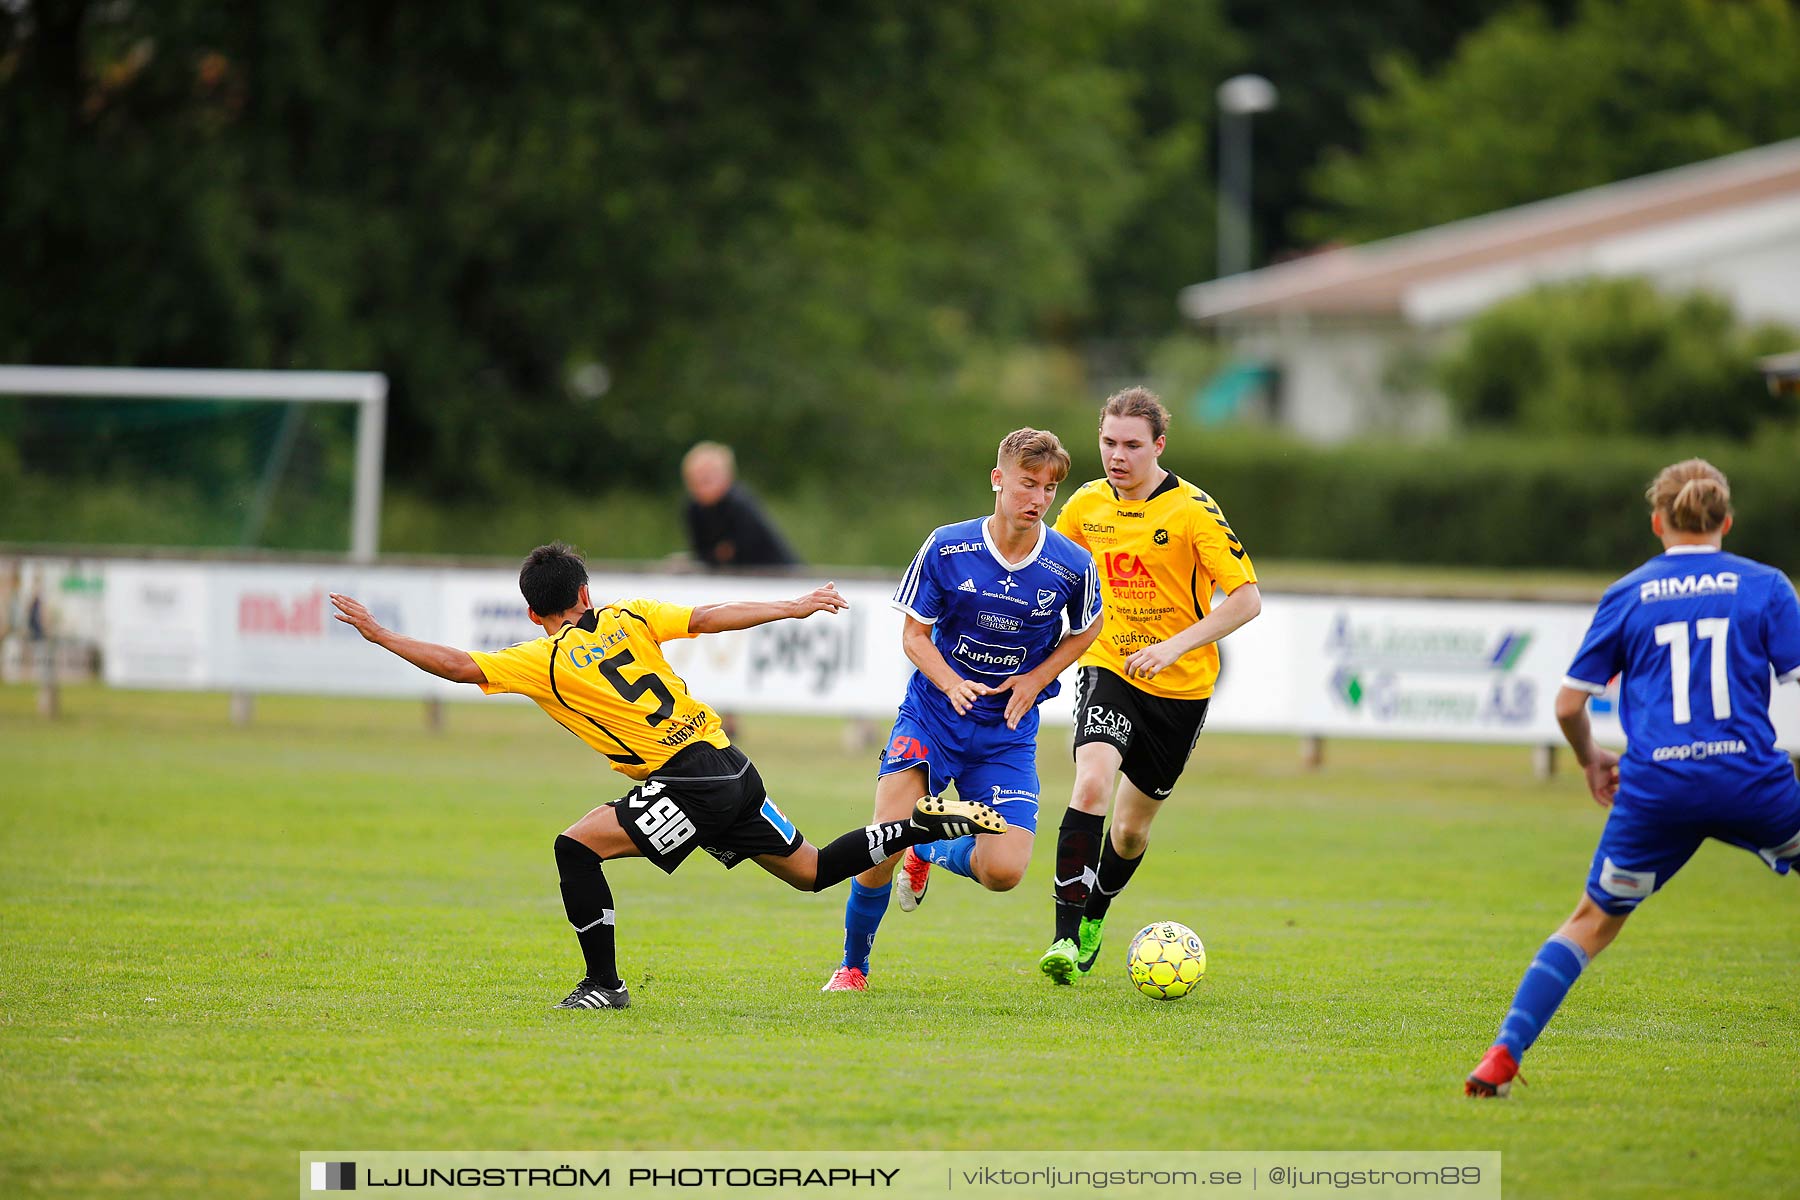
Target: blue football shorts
[
  {"x": 989, "y": 763},
  {"x": 1648, "y": 838}
]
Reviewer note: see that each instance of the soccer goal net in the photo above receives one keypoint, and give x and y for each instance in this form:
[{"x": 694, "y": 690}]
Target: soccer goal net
[{"x": 106, "y": 456}]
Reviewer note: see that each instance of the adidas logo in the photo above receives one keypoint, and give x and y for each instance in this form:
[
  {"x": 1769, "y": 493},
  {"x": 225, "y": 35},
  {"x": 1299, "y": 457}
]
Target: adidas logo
[{"x": 967, "y": 585}]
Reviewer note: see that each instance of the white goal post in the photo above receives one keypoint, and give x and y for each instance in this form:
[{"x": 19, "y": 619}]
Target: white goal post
[{"x": 365, "y": 389}]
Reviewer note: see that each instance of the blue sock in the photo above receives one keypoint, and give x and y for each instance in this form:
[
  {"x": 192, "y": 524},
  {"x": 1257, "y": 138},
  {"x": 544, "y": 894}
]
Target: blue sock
[
  {"x": 952, "y": 855},
  {"x": 1547, "y": 980},
  {"x": 862, "y": 917}
]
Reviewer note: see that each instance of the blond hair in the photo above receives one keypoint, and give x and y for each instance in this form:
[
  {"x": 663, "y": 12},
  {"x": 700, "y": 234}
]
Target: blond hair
[
  {"x": 1034, "y": 449},
  {"x": 1692, "y": 496},
  {"x": 1138, "y": 402},
  {"x": 717, "y": 451}
]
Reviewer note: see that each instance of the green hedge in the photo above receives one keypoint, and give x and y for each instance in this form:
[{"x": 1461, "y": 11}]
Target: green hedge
[
  {"x": 1611, "y": 357},
  {"x": 1490, "y": 501},
  {"x": 1487, "y": 502}
]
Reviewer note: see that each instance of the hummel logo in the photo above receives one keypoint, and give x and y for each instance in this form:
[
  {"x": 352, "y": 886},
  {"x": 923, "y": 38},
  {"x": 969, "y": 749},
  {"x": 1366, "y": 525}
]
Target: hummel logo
[
  {"x": 879, "y": 836},
  {"x": 967, "y": 585}
]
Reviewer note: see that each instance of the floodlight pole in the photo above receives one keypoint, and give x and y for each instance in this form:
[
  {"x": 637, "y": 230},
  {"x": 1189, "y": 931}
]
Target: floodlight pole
[{"x": 1239, "y": 98}]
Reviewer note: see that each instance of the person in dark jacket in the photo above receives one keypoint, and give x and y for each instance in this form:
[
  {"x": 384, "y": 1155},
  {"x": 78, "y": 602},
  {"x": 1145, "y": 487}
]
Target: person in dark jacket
[{"x": 725, "y": 525}]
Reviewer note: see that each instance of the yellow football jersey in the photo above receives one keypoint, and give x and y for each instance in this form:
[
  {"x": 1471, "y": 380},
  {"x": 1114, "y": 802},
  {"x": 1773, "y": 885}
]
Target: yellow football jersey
[
  {"x": 1159, "y": 561},
  {"x": 605, "y": 679}
]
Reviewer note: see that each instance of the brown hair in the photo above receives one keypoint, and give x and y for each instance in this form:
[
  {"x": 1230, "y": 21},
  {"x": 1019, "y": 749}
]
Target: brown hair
[
  {"x": 1692, "y": 496},
  {"x": 1138, "y": 402},
  {"x": 1033, "y": 449}
]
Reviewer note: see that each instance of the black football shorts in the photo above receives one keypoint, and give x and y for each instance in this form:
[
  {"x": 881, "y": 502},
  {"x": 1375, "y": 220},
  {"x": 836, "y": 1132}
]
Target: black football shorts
[
  {"x": 708, "y": 798},
  {"x": 1154, "y": 734}
]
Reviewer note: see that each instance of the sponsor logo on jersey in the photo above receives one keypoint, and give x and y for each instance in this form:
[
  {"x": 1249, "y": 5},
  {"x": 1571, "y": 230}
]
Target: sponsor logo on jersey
[
  {"x": 998, "y": 622},
  {"x": 688, "y": 729},
  {"x": 967, "y": 585},
  {"x": 1724, "y": 583},
  {"x": 988, "y": 658},
  {"x": 960, "y": 548},
  {"x": 1060, "y": 571},
  {"x": 1698, "y": 751},
  {"x": 1127, "y": 576},
  {"x": 1007, "y": 585},
  {"x": 1122, "y": 564},
  {"x": 1096, "y": 527},
  {"x": 583, "y": 656},
  {"x": 1126, "y": 512}
]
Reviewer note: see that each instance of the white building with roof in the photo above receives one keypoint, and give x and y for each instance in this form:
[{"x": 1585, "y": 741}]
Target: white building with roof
[{"x": 1345, "y": 329}]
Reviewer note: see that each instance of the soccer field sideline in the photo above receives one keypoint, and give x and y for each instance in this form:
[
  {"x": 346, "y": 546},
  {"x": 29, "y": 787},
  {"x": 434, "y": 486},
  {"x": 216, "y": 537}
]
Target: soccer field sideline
[{"x": 336, "y": 928}]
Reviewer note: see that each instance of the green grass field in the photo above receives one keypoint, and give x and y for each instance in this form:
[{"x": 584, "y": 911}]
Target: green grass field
[{"x": 337, "y": 929}]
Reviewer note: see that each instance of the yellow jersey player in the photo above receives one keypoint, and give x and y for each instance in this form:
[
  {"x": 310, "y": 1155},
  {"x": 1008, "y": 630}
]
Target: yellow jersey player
[
  {"x": 600, "y": 673},
  {"x": 1163, "y": 547}
]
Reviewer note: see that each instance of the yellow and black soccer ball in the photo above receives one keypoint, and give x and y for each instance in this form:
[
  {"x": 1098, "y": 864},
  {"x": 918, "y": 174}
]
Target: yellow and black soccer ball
[{"x": 1166, "y": 960}]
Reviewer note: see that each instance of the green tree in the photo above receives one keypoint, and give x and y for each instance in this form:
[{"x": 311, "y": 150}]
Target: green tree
[
  {"x": 1528, "y": 110},
  {"x": 1324, "y": 58},
  {"x": 1614, "y": 356},
  {"x": 785, "y": 223}
]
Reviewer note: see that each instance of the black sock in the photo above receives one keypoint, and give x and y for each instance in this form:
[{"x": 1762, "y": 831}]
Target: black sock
[
  {"x": 860, "y": 849},
  {"x": 588, "y": 901},
  {"x": 1115, "y": 872},
  {"x": 1077, "y": 851}
]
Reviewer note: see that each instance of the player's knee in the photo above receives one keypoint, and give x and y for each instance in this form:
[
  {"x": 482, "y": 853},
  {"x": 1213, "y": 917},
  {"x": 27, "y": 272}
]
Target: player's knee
[
  {"x": 1130, "y": 840},
  {"x": 1089, "y": 795},
  {"x": 573, "y": 857},
  {"x": 1002, "y": 878}
]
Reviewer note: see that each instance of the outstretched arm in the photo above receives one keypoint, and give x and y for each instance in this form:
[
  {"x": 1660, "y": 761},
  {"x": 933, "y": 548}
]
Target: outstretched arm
[
  {"x": 746, "y": 614},
  {"x": 446, "y": 662}
]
